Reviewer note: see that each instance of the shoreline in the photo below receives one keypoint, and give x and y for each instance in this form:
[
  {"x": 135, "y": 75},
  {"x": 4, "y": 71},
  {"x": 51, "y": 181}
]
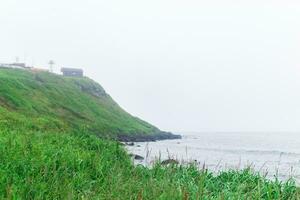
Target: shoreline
[{"x": 148, "y": 138}]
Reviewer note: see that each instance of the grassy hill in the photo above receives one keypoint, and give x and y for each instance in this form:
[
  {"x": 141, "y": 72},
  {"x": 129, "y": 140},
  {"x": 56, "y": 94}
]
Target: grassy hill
[
  {"x": 54, "y": 102},
  {"x": 50, "y": 149}
]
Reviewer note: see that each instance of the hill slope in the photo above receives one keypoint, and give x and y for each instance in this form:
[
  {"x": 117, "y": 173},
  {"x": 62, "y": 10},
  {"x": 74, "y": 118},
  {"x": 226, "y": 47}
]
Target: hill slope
[{"x": 61, "y": 103}]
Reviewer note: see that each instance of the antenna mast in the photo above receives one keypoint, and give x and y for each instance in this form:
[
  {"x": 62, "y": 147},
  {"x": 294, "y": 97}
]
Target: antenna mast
[{"x": 51, "y": 63}]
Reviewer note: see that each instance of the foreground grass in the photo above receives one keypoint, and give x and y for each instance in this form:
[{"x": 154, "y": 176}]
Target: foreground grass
[{"x": 38, "y": 165}]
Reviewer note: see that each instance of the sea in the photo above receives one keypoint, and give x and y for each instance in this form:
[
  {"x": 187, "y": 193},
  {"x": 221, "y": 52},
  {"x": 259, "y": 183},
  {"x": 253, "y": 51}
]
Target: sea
[{"x": 272, "y": 154}]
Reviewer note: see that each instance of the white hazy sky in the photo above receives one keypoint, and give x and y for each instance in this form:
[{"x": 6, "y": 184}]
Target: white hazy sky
[{"x": 183, "y": 65}]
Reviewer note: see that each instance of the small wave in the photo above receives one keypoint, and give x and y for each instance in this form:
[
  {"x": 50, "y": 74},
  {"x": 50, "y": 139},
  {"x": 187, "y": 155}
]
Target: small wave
[{"x": 238, "y": 151}]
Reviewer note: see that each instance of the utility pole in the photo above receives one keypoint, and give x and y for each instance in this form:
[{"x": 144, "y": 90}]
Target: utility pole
[{"x": 51, "y": 63}]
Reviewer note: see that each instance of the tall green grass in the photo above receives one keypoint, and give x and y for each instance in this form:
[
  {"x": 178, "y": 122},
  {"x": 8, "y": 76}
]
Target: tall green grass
[{"x": 36, "y": 165}]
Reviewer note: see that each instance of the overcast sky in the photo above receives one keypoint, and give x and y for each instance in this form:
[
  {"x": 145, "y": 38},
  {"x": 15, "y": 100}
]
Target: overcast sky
[{"x": 183, "y": 65}]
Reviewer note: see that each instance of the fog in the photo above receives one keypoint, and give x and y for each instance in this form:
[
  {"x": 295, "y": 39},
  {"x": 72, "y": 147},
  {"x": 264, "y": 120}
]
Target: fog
[{"x": 187, "y": 65}]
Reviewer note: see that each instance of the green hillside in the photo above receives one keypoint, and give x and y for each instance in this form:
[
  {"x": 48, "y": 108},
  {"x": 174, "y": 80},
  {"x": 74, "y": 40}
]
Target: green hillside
[
  {"x": 61, "y": 103},
  {"x": 50, "y": 149}
]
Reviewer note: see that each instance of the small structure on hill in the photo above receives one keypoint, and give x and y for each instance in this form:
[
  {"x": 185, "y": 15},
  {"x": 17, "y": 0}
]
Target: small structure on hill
[
  {"x": 18, "y": 65},
  {"x": 14, "y": 65},
  {"x": 72, "y": 72}
]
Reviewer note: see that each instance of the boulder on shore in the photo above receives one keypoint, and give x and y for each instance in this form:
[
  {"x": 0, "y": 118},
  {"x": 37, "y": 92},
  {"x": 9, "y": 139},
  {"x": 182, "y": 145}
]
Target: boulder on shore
[
  {"x": 136, "y": 157},
  {"x": 170, "y": 162},
  {"x": 130, "y": 143}
]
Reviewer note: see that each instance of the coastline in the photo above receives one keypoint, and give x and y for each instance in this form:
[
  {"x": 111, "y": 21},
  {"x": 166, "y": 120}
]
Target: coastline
[{"x": 148, "y": 138}]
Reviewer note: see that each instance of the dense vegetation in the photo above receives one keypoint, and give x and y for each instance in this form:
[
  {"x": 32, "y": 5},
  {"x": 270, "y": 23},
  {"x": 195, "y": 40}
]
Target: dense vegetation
[
  {"x": 63, "y": 103},
  {"x": 37, "y": 165},
  {"x": 45, "y": 155}
]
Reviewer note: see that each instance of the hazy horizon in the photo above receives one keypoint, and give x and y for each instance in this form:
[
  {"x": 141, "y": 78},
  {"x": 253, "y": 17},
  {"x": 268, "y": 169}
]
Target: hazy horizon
[{"x": 188, "y": 66}]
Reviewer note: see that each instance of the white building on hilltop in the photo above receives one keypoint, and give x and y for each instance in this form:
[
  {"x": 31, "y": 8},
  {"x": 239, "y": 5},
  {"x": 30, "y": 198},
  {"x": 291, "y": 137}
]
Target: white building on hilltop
[{"x": 14, "y": 65}]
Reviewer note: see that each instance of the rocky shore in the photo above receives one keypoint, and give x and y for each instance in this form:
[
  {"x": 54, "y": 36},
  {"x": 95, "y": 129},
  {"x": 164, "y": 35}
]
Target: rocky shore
[{"x": 148, "y": 138}]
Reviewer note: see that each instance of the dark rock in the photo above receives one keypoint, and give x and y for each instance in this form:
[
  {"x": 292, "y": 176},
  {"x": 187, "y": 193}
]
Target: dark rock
[
  {"x": 170, "y": 162},
  {"x": 130, "y": 143},
  {"x": 91, "y": 88},
  {"x": 149, "y": 137},
  {"x": 136, "y": 157},
  {"x": 138, "y": 145}
]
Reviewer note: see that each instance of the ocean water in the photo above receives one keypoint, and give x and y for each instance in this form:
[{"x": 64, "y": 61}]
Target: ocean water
[{"x": 271, "y": 154}]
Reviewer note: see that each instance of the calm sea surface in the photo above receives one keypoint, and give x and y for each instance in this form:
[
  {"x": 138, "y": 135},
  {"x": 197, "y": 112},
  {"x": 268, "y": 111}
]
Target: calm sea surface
[{"x": 278, "y": 154}]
